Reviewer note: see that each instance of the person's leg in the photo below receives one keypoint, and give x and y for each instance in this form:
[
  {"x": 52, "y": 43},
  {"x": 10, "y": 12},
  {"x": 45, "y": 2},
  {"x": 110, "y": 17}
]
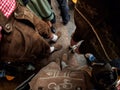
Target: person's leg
[
  {"x": 54, "y": 19},
  {"x": 49, "y": 2},
  {"x": 64, "y": 8}
]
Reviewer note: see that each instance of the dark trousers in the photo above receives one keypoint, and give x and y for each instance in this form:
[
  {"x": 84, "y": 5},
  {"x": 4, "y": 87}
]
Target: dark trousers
[{"x": 64, "y": 9}]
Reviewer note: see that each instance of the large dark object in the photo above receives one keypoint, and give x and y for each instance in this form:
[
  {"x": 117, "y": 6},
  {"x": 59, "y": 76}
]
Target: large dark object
[{"x": 97, "y": 23}]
